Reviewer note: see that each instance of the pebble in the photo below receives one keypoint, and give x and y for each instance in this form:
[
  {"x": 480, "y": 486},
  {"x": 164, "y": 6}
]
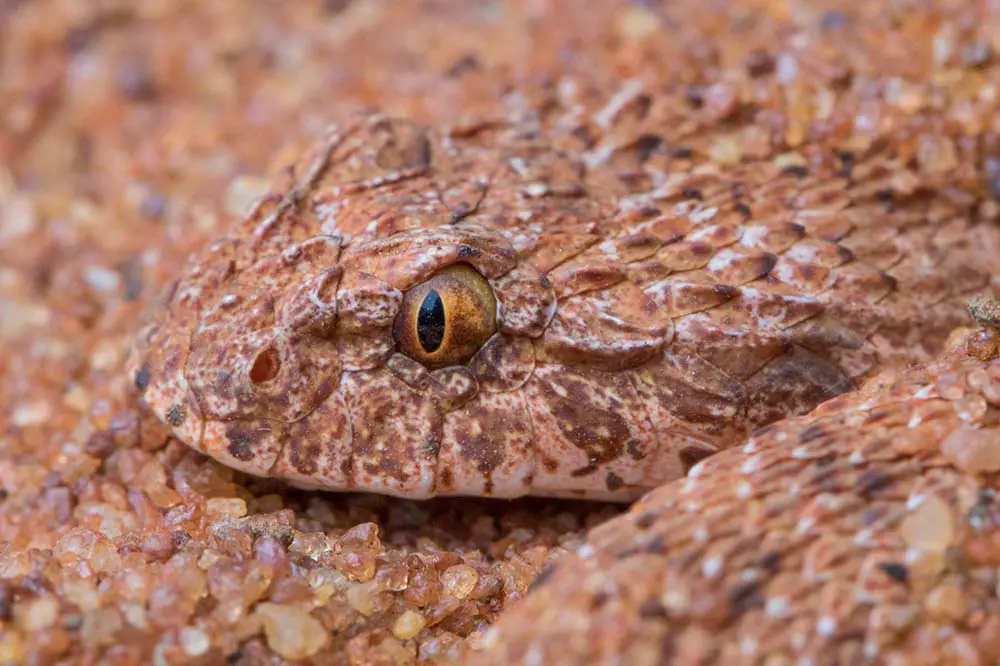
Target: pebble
[
  {"x": 291, "y": 632},
  {"x": 929, "y": 526},
  {"x": 194, "y": 641},
  {"x": 408, "y": 625},
  {"x": 972, "y": 450}
]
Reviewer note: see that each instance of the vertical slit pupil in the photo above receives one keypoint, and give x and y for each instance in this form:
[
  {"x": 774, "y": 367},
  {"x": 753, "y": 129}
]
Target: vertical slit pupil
[{"x": 430, "y": 322}]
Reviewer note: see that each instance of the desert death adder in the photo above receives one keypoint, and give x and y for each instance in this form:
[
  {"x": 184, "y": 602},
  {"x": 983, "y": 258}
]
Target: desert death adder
[{"x": 554, "y": 299}]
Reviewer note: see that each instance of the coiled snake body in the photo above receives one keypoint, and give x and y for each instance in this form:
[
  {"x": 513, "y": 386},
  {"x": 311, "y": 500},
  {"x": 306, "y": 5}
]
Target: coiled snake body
[{"x": 555, "y": 300}]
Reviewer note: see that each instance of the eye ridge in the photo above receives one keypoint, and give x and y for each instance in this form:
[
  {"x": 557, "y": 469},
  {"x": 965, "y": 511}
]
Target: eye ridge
[{"x": 431, "y": 322}]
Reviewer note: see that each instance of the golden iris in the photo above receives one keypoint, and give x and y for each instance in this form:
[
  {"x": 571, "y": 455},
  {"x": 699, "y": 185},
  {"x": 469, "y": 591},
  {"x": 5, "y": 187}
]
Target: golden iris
[{"x": 446, "y": 319}]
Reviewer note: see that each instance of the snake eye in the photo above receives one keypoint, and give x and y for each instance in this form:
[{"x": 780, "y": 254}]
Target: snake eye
[{"x": 446, "y": 319}]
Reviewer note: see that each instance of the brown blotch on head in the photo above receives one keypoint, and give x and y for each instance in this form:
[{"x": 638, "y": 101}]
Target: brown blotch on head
[
  {"x": 613, "y": 482},
  {"x": 586, "y": 470},
  {"x": 241, "y": 442},
  {"x": 485, "y": 450},
  {"x": 446, "y": 480},
  {"x": 600, "y": 433},
  {"x": 303, "y": 455}
]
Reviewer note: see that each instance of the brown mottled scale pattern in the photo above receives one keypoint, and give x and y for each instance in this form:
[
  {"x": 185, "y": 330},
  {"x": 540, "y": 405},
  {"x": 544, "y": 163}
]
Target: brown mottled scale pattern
[
  {"x": 866, "y": 532},
  {"x": 643, "y": 323}
]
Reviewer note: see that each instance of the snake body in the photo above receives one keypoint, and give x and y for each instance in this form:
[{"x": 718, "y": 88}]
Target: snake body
[
  {"x": 663, "y": 310},
  {"x": 863, "y": 533}
]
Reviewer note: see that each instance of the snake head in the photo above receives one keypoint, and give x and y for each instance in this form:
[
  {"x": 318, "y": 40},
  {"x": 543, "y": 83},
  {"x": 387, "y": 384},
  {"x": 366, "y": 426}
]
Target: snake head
[
  {"x": 378, "y": 324},
  {"x": 421, "y": 314},
  {"x": 311, "y": 363}
]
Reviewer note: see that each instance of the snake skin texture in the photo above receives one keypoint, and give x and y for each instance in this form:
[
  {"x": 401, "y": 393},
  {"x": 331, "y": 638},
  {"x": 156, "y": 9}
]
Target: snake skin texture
[
  {"x": 770, "y": 349},
  {"x": 864, "y": 532}
]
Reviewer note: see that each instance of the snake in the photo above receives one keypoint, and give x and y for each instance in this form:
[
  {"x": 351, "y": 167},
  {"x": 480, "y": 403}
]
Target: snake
[{"x": 580, "y": 292}]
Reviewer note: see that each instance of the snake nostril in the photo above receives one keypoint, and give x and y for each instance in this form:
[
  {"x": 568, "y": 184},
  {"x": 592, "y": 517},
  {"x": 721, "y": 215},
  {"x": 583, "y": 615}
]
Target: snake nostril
[{"x": 266, "y": 366}]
